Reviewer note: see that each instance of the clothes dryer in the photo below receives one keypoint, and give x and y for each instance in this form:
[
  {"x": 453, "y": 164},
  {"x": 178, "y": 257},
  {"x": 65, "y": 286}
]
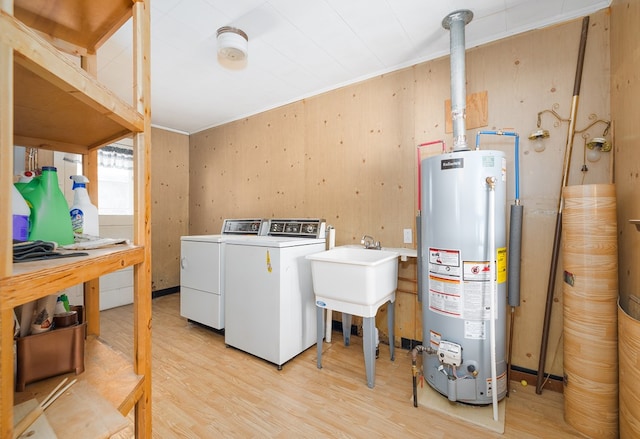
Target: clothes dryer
[{"x": 202, "y": 270}]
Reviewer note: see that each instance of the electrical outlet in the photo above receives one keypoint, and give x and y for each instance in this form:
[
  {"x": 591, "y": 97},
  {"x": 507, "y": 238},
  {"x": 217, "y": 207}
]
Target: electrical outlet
[{"x": 408, "y": 239}]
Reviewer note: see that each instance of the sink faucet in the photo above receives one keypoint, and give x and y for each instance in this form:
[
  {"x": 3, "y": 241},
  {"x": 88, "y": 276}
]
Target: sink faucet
[{"x": 370, "y": 243}]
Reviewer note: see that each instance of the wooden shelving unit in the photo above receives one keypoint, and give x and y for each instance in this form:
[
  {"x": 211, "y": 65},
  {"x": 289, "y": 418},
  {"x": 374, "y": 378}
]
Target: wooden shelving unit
[{"x": 49, "y": 101}]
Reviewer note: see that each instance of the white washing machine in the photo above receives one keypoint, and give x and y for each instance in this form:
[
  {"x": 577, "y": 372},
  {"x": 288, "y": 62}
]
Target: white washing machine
[
  {"x": 270, "y": 307},
  {"x": 202, "y": 270}
]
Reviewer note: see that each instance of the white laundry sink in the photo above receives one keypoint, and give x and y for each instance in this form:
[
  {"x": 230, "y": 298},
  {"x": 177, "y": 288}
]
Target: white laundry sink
[
  {"x": 403, "y": 252},
  {"x": 356, "y": 276}
]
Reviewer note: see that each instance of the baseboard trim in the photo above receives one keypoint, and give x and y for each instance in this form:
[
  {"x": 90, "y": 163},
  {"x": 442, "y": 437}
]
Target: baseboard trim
[
  {"x": 554, "y": 383},
  {"x": 165, "y": 292}
]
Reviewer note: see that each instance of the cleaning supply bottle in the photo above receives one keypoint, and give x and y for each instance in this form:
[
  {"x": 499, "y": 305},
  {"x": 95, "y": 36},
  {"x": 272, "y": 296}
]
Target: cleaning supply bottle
[
  {"x": 25, "y": 178},
  {"x": 49, "y": 220},
  {"x": 65, "y": 301},
  {"x": 84, "y": 215},
  {"x": 21, "y": 213},
  {"x": 60, "y": 309}
]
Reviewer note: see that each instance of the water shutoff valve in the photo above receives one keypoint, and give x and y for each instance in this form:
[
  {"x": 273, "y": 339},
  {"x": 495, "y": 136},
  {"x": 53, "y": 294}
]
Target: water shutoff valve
[{"x": 450, "y": 353}]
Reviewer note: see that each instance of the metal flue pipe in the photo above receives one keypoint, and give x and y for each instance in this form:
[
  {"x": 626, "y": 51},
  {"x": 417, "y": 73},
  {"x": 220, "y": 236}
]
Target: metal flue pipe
[{"x": 455, "y": 23}]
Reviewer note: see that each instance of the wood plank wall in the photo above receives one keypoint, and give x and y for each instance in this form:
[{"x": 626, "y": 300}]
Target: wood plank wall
[
  {"x": 625, "y": 108},
  {"x": 349, "y": 156}
]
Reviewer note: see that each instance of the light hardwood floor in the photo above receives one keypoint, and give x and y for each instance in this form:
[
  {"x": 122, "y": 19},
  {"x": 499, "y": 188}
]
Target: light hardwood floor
[{"x": 202, "y": 389}]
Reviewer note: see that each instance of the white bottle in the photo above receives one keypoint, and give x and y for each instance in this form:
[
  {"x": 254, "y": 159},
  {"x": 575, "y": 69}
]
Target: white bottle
[
  {"x": 84, "y": 215},
  {"x": 21, "y": 214}
]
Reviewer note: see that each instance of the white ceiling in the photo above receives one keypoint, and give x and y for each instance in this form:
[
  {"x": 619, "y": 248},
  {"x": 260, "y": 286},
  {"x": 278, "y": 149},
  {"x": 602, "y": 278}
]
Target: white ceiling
[{"x": 299, "y": 48}]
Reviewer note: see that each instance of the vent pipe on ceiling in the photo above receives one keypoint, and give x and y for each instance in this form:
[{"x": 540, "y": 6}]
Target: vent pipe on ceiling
[{"x": 455, "y": 23}]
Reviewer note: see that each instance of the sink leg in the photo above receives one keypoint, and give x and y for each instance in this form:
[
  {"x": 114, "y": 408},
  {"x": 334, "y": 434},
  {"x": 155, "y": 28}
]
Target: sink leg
[
  {"x": 369, "y": 346},
  {"x": 390, "y": 324},
  {"x": 320, "y": 329},
  {"x": 346, "y": 328}
]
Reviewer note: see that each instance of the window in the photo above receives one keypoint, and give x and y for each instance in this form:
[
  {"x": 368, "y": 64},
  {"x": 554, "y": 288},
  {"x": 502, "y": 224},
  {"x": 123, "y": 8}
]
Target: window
[
  {"x": 115, "y": 177},
  {"x": 115, "y": 180}
]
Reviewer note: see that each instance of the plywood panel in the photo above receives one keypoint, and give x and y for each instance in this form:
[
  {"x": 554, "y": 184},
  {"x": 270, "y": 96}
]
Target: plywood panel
[
  {"x": 625, "y": 107},
  {"x": 253, "y": 167},
  {"x": 360, "y": 159},
  {"x": 170, "y": 205},
  {"x": 477, "y": 111}
]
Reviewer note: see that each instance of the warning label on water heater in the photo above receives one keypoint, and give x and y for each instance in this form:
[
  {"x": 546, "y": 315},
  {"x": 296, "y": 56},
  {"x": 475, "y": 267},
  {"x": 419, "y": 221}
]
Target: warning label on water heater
[
  {"x": 462, "y": 289},
  {"x": 445, "y": 277},
  {"x": 445, "y": 262}
]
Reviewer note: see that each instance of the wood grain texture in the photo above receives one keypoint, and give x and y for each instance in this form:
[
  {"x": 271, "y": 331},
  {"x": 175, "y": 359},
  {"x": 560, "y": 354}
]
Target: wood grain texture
[
  {"x": 32, "y": 280},
  {"x": 625, "y": 106},
  {"x": 477, "y": 111},
  {"x": 41, "y": 108},
  {"x": 89, "y": 29},
  {"x": 629, "y": 349},
  {"x": 107, "y": 385},
  {"x": 170, "y": 208},
  {"x": 590, "y": 260},
  {"x": 201, "y": 389},
  {"x": 6, "y": 225}
]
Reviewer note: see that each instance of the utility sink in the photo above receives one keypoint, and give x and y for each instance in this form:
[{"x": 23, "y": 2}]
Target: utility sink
[{"x": 354, "y": 280}]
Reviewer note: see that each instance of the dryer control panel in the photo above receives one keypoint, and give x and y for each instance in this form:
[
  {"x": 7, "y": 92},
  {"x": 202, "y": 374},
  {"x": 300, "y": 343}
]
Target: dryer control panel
[{"x": 245, "y": 226}]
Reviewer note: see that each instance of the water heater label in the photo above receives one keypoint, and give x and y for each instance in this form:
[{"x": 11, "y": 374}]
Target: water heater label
[
  {"x": 434, "y": 339},
  {"x": 501, "y": 265},
  {"x": 445, "y": 297},
  {"x": 477, "y": 271},
  {"x": 445, "y": 288},
  {"x": 462, "y": 289},
  {"x": 452, "y": 163},
  {"x": 502, "y": 384},
  {"x": 474, "y": 330},
  {"x": 444, "y": 262}
]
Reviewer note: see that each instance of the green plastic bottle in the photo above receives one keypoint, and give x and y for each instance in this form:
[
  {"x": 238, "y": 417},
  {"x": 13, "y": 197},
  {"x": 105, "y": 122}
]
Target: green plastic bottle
[{"x": 49, "y": 217}]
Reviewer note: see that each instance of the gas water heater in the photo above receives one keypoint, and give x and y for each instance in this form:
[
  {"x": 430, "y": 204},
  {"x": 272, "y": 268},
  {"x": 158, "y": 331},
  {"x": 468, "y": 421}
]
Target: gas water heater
[
  {"x": 463, "y": 260},
  {"x": 460, "y": 267}
]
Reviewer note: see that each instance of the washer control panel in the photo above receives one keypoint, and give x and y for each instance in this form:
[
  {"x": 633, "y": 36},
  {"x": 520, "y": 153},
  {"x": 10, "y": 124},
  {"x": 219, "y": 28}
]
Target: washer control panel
[{"x": 302, "y": 228}]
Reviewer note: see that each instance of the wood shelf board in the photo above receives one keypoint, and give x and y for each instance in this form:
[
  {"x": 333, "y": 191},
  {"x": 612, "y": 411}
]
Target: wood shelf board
[
  {"x": 108, "y": 372},
  {"x": 32, "y": 280},
  {"x": 55, "y": 100},
  {"x": 75, "y": 123},
  {"x": 81, "y": 412},
  {"x": 40, "y": 427},
  {"x": 83, "y": 23}
]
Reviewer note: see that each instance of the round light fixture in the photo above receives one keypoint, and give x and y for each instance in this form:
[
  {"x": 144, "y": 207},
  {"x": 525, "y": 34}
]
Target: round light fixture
[
  {"x": 596, "y": 147},
  {"x": 233, "y": 44},
  {"x": 537, "y": 137}
]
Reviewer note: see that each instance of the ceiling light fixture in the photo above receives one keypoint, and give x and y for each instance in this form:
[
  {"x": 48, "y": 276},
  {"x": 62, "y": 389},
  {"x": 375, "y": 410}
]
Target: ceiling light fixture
[{"x": 233, "y": 45}]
